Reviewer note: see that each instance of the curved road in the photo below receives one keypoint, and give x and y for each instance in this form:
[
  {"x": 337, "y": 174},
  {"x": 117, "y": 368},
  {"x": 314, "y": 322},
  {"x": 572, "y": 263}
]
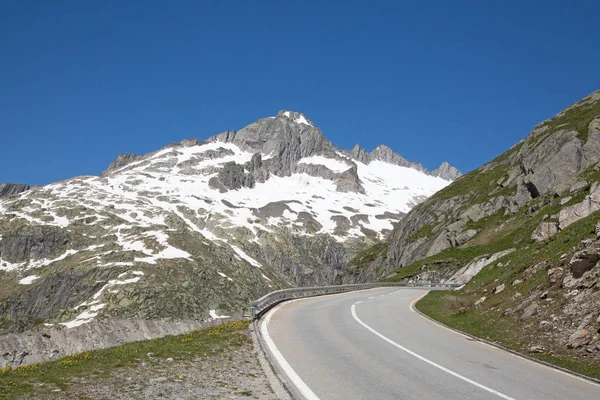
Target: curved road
[{"x": 371, "y": 345}]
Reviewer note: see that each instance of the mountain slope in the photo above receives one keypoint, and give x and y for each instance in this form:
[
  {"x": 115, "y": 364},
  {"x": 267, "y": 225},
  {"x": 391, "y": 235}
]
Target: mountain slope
[
  {"x": 522, "y": 233},
  {"x": 199, "y": 228}
]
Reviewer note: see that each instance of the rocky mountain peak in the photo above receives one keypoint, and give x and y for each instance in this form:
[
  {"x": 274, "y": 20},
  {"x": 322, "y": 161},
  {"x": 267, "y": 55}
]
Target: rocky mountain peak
[
  {"x": 447, "y": 172},
  {"x": 296, "y": 117},
  {"x": 360, "y": 154},
  {"x": 386, "y": 154}
]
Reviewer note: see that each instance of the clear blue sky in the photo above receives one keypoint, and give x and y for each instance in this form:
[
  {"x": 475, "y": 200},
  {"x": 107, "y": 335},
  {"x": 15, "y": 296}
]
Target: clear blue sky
[{"x": 81, "y": 82}]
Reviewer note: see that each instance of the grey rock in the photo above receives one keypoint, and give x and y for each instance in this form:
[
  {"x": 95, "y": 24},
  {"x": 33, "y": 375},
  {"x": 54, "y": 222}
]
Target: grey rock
[
  {"x": 465, "y": 274},
  {"x": 282, "y": 137},
  {"x": 479, "y": 302},
  {"x": 348, "y": 181},
  {"x": 544, "y": 231},
  {"x": 545, "y": 325},
  {"x": 447, "y": 172},
  {"x": 384, "y": 153},
  {"x": 530, "y": 311},
  {"x": 547, "y": 161},
  {"x": 579, "y": 339},
  {"x": 10, "y": 189},
  {"x": 555, "y": 274},
  {"x": 360, "y": 154},
  {"x": 536, "y": 349},
  {"x": 579, "y": 185},
  {"x": 33, "y": 243},
  {"x": 121, "y": 161},
  {"x": 565, "y": 200},
  {"x": 574, "y": 213},
  {"x": 232, "y": 177},
  {"x": 583, "y": 261},
  {"x": 499, "y": 289}
]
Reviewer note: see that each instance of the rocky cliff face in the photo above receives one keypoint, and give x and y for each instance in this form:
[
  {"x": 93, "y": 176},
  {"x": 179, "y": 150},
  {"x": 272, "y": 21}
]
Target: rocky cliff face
[
  {"x": 9, "y": 189},
  {"x": 549, "y": 162},
  {"x": 521, "y": 233},
  {"x": 199, "y": 228}
]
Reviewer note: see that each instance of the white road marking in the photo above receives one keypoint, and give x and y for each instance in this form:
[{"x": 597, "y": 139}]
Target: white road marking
[
  {"x": 289, "y": 371},
  {"x": 358, "y": 302},
  {"x": 371, "y": 298},
  {"x": 412, "y": 308},
  {"x": 420, "y": 357}
]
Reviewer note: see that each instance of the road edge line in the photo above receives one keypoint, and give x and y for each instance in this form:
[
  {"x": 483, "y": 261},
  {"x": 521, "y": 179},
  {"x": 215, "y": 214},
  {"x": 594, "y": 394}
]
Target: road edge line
[
  {"x": 556, "y": 368},
  {"x": 426, "y": 360},
  {"x": 295, "y": 379}
]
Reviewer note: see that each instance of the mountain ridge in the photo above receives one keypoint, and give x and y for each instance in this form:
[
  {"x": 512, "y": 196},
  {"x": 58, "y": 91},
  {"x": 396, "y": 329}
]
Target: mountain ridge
[{"x": 195, "y": 230}]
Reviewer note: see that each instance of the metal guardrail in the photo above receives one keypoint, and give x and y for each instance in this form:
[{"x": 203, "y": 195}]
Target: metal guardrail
[{"x": 268, "y": 301}]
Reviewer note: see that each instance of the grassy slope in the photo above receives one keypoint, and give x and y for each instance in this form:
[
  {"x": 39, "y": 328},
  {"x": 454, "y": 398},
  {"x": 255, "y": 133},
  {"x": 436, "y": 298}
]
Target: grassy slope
[
  {"x": 499, "y": 232},
  {"x": 59, "y": 374},
  {"x": 456, "y": 309}
]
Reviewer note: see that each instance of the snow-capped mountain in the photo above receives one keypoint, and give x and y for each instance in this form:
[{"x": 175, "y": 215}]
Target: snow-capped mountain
[{"x": 200, "y": 227}]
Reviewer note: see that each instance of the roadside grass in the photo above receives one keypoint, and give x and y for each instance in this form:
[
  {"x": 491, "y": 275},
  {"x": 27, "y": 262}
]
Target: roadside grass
[
  {"x": 59, "y": 374},
  {"x": 495, "y": 328},
  {"x": 490, "y": 321}
]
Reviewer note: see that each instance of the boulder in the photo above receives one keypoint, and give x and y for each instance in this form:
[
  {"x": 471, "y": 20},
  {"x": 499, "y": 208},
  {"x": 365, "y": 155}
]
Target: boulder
[
  {"x": 579, "y": 339},
  {"x": 499, "y": 289},
  {"x": 530, "y": 311},
  {"x": 536, "y": 349},
  {"x": 555, "y": 274},
  {"x": 578, "y": 211},
  {"x": 465, "y": 274},
  {"x": 544, "y": 231},
  {"x": 479, "y": 302},
  {"x": 584, "y": 261}
]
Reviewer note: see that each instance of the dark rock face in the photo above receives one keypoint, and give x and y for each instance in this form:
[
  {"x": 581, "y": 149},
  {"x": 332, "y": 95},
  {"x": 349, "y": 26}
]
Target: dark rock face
[
  {"x": 61, "y": 291},
  {"x": 121, "y": 161},
  {"x": 232, "y": 177},
  {"x": 9, "y": 189},
  {"x": 33, "y": 242},
  {"x": 302, "y": 259}
]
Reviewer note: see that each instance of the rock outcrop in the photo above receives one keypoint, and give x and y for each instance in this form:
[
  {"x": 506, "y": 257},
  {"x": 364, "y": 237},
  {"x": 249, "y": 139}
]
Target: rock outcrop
[
  {"x": 447, "y": 172},
  {"x": 547, "y": 163},
  {"x": 9, "y": 189}
]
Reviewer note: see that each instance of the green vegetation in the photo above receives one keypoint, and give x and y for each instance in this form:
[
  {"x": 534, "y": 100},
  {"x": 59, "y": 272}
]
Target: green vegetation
[
  {"x": 366, "y": 257},
  {"x": 527, "y": 263},
  {"x": 101, "y": 363},
  {"x": 576, "y": 118},
  {"x": 516, "y": 232},
  {"x": 424, "y": 233},
  {"x": 477, "y": 184},
  {"x": 442, "y": 307}
]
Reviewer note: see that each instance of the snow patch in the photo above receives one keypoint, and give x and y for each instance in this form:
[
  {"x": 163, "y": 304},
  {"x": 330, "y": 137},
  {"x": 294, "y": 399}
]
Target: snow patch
[
  {"x": 246, "y": 257},
  {"x": 28, "y": 280},
  {"x": 224, "y": 276},
  {"x": 332, "y": 164},
  {"x": 213, "y": 315}
]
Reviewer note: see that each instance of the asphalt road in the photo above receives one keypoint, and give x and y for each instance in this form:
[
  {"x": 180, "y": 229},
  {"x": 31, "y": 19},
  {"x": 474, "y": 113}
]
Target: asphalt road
[{"x": 371, "y": 345}]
